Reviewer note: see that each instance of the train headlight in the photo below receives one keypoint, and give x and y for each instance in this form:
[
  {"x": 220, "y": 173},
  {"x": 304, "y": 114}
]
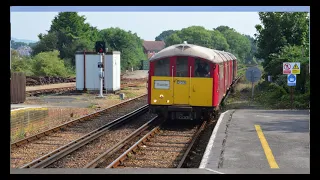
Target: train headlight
[
  {"x": 155, "y": 100},
  {"x": 161, "y": 96},
  {"x": 168, "y": 101}
]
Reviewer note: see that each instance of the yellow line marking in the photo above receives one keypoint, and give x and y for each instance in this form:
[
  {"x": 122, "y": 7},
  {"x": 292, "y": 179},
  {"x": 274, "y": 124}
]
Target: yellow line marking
[{"x": 272, "y": 162}]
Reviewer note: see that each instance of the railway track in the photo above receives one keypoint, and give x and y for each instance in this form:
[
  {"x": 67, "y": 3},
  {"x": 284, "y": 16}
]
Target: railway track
[
  {"x": 162, "y": 147},
  {"x": 165, "y": 146},
  {"x": 33, "y": 147},
  {"x": 83, "y": 150},
  {"x": 68, "y": 89}
]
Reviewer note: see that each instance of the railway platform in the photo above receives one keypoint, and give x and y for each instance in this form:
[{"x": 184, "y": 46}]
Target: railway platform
[{"x": 255, "y": 141}]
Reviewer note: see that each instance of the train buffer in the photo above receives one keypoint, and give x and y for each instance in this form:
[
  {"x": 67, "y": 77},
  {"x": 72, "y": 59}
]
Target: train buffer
[{"x": 252, "y": 141}]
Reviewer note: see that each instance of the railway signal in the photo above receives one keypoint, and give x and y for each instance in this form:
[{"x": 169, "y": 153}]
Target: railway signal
[{"x": 100, "y": 47}]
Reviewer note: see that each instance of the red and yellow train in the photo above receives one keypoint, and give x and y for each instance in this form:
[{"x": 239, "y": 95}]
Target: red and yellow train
[{"x": 187, "y": 81}]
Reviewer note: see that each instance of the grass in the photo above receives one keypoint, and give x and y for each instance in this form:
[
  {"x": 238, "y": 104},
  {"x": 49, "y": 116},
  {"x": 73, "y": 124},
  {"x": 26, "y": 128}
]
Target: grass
[
  {"x": 20, "y": 134},
  {"x": 92, "y": 106},
  {"x": 241, "y": 97},
  {"x": 129, "y": 94}
]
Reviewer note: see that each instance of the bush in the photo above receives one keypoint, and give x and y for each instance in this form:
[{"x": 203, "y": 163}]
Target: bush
[
  {"x": 49, "y": 64},
  {"x": 275, "y": 96}
]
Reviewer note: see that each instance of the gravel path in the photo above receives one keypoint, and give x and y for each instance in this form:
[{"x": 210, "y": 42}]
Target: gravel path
[
  {"x": 50, "y": 86},
  {"x": 37, "y": 148}
]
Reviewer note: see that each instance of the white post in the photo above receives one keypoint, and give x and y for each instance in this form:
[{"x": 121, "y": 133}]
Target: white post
[{"x": 101, "y": 76}]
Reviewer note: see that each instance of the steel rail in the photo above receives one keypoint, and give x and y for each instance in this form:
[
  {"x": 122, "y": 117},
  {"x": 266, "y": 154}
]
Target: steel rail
[
  {"x": 194, "y": 138},
  {"x": 133, "y": 148},
  {"x": 119, "y": 145},
  {"x": 57, "y": 154},
  {"x": 70, "y": 123}
]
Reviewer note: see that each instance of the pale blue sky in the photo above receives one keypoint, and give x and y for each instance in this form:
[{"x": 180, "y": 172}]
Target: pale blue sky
[{"x": 148, "y": 25}]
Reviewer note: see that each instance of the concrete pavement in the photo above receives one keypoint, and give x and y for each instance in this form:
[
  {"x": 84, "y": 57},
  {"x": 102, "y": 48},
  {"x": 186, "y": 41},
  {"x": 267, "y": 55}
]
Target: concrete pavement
[{"x": 258, "y": 141}]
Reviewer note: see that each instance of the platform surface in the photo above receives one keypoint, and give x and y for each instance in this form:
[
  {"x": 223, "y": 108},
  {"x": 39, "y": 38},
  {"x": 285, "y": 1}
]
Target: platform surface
[{"x": 260, "y": 141}]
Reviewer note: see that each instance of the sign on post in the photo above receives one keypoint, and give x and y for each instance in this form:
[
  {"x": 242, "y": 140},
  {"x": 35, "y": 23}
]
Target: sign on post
[
  {"x": 292, "y": 79},
  {"x": 291, "y": 68},
  {"x": 253, "y": 74},
  {"x": 295, "y": 68},
  {"x": 286, "y": 68},
  {"x": 100, "y": 65}
]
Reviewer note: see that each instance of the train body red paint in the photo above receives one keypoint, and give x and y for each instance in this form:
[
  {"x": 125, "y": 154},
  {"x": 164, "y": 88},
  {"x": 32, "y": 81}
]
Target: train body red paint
[{"x": 187, "y": 81}]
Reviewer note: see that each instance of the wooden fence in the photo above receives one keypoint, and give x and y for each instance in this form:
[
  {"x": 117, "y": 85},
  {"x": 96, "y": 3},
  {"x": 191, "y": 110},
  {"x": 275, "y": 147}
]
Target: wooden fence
[{"x": 18, "y": 87}]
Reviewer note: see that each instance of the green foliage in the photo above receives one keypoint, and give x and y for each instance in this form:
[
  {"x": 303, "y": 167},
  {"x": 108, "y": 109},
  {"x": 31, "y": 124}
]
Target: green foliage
[
  {"x": 68, "y": 33},
  {"x": 222, "y": 38},
  {"x": 21, "y": 64},
  {"x": 49, "y": 64},
  {"x": 219, "y": 42},
  {"x": 284, "y": 37},
  {"x": 289, "y": 54},
  {"x": 48, "y": 42},
  {"x": 129, "y": 44},
  {"x": 276, "y": 96},
  {"x": 279, "y": 30},
  {"x": 239, "y": 44},
  {"x": 164, "y": 35}
]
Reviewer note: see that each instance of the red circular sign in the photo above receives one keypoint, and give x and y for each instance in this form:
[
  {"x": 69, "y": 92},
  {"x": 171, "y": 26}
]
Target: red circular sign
[{"x": 287, "y": 66}]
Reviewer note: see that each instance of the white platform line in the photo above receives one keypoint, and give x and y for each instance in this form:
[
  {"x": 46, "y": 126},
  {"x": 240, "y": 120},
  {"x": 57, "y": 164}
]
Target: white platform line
[{"x": 205, "y": 157}]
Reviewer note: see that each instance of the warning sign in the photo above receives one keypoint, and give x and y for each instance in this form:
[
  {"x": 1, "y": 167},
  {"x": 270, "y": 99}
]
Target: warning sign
[
  {"x": 295, "y": 68},
  {"x": 286, "y": 68},
  {"x": 291, "y": 68}
]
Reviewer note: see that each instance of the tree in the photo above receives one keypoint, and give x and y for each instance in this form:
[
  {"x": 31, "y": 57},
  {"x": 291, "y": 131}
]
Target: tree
[
  {"x": 289, "y": 54},
  {"x": 49, "y": 64},
  {"x": 21, "y": 64},
  {"x": 250, "y": 58},
  {"x": 130, "y": 46},
  {"x": 239, "y": 45},
  {"x": 222, "y": 38},
  {"x": 48, "y": 42},
  {"x": 68, "y": 33},
  {"x": 193, "y": 35},
  {"x": 164, "y": 35},
  {"x": 173, "y": 39},
  {"x": 278, "y": 30},
  {"x": 219, "y": 42}
]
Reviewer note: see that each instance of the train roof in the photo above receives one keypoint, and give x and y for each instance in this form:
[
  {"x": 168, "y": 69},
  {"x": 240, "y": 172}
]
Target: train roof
[{"x": 185, "y": 49}]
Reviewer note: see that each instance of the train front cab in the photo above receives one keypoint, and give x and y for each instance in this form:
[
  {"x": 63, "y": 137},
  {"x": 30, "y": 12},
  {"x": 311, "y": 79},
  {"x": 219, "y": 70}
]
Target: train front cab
[{"x": 178, "y": 91}]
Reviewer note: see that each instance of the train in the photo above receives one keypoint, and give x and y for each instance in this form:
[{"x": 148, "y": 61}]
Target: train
[{"x": 189, "y": 82}]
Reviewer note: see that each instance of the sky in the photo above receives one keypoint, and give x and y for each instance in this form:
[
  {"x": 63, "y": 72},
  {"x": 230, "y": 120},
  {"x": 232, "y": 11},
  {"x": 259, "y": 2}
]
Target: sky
[{"x": 147, "y": 25}]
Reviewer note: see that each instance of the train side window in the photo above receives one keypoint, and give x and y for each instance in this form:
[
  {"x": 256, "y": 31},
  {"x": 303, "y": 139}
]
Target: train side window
[
  {"x": 182, "y": 67},
  {"x": 162, "y": 67},
  {"x": 221, "y": 69},
  {"x": 201, "y": 68}
]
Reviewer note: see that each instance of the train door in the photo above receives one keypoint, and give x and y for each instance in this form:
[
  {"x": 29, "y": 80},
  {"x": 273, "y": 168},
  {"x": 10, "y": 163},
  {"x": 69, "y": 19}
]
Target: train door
[
  {"x": 221, "y": 81},
  {"x": 201, "y": 83},
  {"x": 160, "y": 90},
  {"x": 231, "y": 70},
  {"x": 181, "y": 80},
  {"x": 225, "y": 74},
  {"x": 235, "y": 68}
]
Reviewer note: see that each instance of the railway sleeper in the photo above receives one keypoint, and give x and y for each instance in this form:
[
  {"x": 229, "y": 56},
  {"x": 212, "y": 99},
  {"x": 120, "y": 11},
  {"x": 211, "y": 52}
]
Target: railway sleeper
[
  {"x": 177, "y": 145},
  {"x": 169, "y": 142},
  {"x": 163, "y": 150},
  {"x": 183, "y": 135}
]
